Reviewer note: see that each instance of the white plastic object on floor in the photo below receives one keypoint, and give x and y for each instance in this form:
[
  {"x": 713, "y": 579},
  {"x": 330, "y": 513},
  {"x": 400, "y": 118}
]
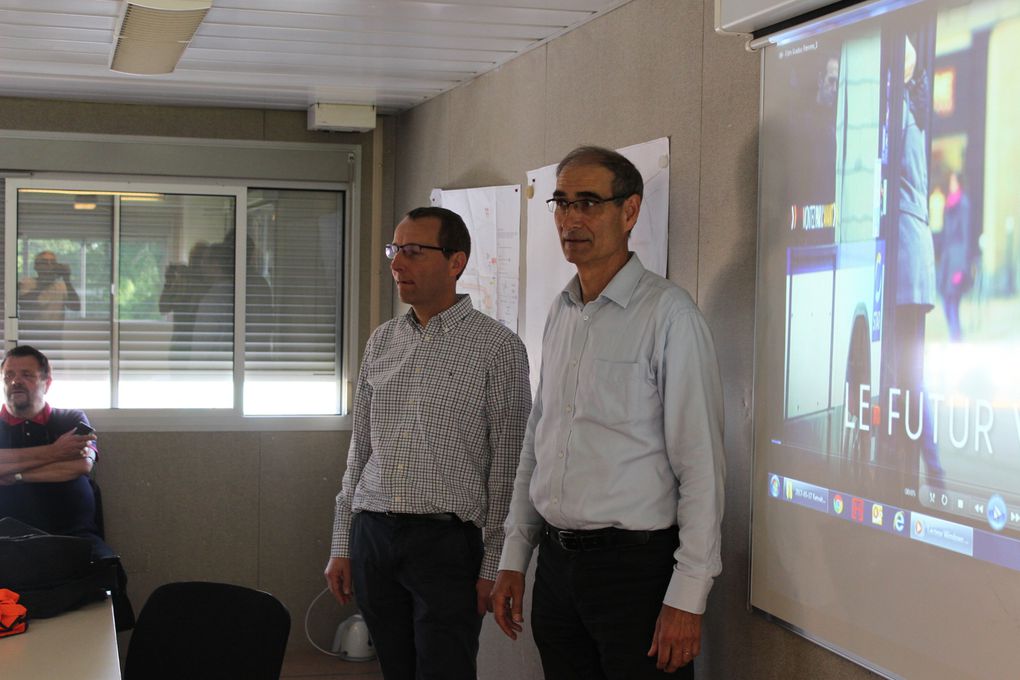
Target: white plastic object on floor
[{"x": 352, "y": 641}]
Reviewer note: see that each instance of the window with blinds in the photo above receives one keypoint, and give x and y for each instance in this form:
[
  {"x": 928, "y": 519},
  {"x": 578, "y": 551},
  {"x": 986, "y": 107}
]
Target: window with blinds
[
  {"x": 132, "y": 297},
  {"x": 63, "y": 297},
  {"x": 293, "y": 307},
  {"x": 175, "y": 302}
]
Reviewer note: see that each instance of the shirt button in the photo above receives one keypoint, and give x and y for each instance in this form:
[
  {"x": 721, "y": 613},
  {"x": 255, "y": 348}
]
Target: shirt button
[
  {"x": 404, "y": 435},
  {"x": 396, "y": 499},
  {"x": 555, "y": 500},
  {"x": 400, "y": 466},
  {"x": 573, "y": 362},
  {"x": 569, "y": 409},
  {"x": 559, "y": 455},
  {"x": 585, "y": 317}
]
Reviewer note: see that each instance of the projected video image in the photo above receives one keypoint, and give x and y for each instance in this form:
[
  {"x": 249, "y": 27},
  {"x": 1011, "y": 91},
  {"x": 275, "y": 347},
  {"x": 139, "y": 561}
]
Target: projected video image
[{"x": 891, "y": 161}]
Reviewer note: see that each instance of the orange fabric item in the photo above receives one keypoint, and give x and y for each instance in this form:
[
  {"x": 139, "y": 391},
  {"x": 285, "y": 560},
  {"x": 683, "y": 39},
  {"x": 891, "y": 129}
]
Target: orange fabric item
[{"x": 13, "y": 617}]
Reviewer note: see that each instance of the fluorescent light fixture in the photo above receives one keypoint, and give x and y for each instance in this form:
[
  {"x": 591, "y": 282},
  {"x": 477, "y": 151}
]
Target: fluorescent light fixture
[
  {"x": 151, "y": 35},
  {"x": 85, "y": 202},
  {"x": 140, "y": 198},
  {"x": 85, "y": 199},
  {"x": 124, "y": 195}
]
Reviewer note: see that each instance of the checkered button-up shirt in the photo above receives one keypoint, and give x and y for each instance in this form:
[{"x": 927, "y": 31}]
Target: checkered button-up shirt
[{"x": 439, "y": 416}]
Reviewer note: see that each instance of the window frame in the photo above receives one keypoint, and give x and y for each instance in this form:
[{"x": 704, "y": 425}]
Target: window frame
[{"x": 206, "y": 420}]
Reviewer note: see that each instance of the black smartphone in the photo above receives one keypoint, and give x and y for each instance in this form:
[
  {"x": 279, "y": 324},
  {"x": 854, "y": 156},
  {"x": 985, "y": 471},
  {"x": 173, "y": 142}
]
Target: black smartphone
[{"x": 83, "y": 428}]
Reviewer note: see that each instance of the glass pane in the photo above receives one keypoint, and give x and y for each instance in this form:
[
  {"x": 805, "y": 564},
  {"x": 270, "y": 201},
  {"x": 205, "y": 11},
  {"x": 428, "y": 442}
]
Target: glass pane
[
  {"x": 176, "y": 302},
  {"x": 64, "y": 257},
  {"x": 293, "y": 306}
]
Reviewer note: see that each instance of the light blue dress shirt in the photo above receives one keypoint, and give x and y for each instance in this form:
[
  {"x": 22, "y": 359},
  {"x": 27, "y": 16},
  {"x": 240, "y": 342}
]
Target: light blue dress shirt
[{"x": 627, "y": 427}]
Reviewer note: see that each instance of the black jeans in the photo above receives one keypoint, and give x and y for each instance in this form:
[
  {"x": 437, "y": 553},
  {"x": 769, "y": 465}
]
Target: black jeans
[
  {"x": 594, "y": 612},
  {"x": 414, "y": 580}
]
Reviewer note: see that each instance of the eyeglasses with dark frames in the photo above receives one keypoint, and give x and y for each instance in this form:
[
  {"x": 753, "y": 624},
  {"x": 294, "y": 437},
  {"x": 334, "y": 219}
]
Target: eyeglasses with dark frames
[
  {"x": 585, "y": 206},
  {"x": 412, "y": 249}
]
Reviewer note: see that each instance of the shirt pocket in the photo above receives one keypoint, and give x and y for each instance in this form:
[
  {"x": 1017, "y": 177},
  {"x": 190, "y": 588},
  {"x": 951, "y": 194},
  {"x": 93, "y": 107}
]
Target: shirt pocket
[{"x": 619, "y": 391}]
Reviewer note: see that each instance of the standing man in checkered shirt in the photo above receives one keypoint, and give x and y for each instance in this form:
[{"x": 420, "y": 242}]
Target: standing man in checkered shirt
[{"x": 439, "y": 416}]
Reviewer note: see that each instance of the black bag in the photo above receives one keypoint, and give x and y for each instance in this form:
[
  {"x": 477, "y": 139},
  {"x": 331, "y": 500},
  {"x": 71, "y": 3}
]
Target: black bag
[{"x": 52, "y": 574}]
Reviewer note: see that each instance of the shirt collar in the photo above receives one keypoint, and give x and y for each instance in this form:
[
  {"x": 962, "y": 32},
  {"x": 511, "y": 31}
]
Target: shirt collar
[
  {"x": 448, "y": 318},
  {"x": 40, "y": 418},
  {"x": 620, "y": 288}
]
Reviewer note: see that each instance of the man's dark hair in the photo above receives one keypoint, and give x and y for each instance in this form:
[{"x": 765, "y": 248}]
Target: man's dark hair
[
  {"x": 453, "y": 233},
  {"x": 626, "y": 178},
  {"x": 29, "y": 351}
]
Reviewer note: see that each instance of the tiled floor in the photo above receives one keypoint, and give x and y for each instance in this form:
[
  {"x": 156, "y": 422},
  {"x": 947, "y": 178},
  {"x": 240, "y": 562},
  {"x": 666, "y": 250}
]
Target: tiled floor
[{"x": 307, "y": 663}]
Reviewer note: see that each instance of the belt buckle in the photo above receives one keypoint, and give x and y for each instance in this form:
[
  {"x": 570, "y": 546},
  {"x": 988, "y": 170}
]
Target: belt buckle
[{"x": 569, "y": 540}]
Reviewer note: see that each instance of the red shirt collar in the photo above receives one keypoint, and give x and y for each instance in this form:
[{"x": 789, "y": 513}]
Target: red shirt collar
[{"x": 41, "y": 418}]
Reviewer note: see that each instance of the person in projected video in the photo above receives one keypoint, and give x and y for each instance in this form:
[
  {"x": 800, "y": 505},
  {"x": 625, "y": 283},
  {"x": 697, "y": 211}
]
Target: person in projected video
[
  {"x": 956, "y": 259},
  {"x": 915, "y": 280}
]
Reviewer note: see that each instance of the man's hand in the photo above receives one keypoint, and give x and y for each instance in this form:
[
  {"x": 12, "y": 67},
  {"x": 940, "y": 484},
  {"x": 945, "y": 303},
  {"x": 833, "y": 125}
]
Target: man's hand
[
  {"x": 677, "y": 638},
  {"x": 484, "y": 589},
  {"x": 338, "y": 578},
  {"x": 70, "y": 446},
  {"x": 508, "y": 602}
]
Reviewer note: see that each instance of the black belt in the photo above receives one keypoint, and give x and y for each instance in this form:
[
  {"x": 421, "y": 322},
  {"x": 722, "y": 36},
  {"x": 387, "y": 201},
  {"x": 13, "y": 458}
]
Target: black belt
[
  {"x": 601, "y": 539},
  {"x": 434, "y": 516}
]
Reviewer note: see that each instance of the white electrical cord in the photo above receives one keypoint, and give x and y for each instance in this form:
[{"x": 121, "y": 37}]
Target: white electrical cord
[{"x": 308, "y": 635}]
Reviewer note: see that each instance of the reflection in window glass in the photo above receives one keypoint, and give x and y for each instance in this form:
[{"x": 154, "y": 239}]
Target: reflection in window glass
[
  {"x": 176, "y": 302},
  {"x": 292, "y": 351},
  {"x": 132, "y": 295},
  {"x": 63, "y": 259}
]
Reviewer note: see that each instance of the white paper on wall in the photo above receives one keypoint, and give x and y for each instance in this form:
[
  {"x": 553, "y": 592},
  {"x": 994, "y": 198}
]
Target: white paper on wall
[{"x": 492, "y": 275}]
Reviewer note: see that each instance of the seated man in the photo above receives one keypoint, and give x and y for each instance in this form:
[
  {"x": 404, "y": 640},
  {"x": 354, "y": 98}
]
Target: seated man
[{"x": 44, "y": 464}]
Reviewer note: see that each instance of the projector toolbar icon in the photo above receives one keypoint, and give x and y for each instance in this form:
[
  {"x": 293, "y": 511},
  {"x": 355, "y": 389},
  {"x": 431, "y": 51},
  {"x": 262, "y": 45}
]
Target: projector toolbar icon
[{"x": 996, "y": 512}]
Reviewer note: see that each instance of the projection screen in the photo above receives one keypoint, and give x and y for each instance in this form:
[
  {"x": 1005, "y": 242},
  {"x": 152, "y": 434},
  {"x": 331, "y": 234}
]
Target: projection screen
[{"x": 886, "y": 477}]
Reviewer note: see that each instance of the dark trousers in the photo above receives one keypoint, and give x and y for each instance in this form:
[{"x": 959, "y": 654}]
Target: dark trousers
[
  {"x": 593, "y": 613},
  {"x": 414, "y": 579}
]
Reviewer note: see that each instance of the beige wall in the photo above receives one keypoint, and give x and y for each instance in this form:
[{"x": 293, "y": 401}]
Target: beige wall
[
  {"x": 250, "y": 508},
  {"x": 652, "y": 68},
  {"x": 253, "y": 508}
]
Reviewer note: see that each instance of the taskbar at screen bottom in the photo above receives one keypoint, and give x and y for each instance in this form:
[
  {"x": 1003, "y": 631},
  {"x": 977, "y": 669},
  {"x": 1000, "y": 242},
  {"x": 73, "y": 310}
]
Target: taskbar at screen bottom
[{"x": 987, "y": 546}]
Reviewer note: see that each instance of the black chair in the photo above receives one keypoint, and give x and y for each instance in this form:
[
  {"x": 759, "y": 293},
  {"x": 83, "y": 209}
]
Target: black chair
[
  {"x": 123, "y": 612},
  {"x": 198, "y": 631}
]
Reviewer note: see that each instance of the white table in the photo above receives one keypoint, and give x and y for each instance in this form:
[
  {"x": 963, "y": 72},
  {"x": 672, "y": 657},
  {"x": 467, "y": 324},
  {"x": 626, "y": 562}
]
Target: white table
[{"x": 78, "y": 645}]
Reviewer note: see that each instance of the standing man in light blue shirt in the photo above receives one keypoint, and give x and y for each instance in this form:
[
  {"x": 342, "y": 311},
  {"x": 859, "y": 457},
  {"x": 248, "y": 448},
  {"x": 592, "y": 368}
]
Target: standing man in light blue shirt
[{"x": 621, "y": 475}]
